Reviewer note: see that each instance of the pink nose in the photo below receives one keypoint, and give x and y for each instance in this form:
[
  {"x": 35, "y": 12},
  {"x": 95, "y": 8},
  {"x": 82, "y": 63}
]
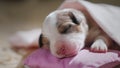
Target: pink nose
[
  {"x": 62, "y": 50},
  {"x": 66, "y": 49}
]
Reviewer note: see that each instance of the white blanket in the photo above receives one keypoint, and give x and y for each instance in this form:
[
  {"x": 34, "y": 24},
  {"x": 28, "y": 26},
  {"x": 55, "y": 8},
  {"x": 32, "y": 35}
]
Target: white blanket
[{"x": 107, "y": 17}]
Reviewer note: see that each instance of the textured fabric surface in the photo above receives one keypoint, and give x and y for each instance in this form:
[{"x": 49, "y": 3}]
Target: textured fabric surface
[{"x": 42, "y": 58}]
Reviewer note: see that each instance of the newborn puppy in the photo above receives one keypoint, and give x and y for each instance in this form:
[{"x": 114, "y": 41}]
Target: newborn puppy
[{"x": 65, "y": 32}]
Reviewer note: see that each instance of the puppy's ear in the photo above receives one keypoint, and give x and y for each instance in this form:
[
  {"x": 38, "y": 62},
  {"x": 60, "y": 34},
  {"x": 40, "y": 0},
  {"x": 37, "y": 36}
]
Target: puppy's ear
[
  {"x": 43, "y": 41},
  {"x": 40, "y": 40},
  {"x": 73, "y": 18}
]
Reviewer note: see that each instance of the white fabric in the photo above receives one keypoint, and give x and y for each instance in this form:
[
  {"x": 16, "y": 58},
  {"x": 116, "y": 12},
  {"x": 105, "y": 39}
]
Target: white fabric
[{"x": 107, "y": 17}]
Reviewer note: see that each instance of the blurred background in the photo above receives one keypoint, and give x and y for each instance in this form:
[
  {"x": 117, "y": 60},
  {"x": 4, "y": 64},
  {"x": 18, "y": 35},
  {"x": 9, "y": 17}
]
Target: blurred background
[{"x": 17, "y": 15}]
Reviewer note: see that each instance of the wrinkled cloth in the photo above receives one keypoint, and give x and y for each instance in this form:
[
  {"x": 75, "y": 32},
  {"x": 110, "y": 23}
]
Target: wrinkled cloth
[
  {"x": 107, "y": 17},
  {"x": 42, "y": 58}
]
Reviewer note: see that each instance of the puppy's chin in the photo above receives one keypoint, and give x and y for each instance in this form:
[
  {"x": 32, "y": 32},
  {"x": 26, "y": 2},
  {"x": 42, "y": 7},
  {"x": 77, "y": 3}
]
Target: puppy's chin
[{"x": 65, "y": 56}]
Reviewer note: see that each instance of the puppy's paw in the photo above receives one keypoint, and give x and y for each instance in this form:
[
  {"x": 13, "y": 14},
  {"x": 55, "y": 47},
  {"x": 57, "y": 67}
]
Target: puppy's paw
[{"x": 99, "y": 46}]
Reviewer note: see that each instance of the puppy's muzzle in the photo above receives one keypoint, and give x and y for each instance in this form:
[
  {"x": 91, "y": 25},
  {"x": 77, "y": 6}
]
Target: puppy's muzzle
[{"x": 65, "y": 48}]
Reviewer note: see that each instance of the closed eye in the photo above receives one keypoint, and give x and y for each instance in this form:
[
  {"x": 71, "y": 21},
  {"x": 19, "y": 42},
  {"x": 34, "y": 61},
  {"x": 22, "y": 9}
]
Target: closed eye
[
  {"x": 66, "y": 29},
  {"x": 73, "y": 18}
]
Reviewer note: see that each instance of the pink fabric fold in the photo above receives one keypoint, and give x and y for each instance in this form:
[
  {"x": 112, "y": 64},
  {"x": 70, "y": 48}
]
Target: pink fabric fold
[{"x": 42, "y": 58}]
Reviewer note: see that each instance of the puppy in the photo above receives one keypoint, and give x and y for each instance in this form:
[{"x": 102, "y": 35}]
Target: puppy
[{"x": 65, "y": 32}]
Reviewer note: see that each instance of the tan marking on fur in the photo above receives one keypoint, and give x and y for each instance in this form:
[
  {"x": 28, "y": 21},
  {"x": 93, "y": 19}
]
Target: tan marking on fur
[
  {"x": 64, "y": 20},
  {"x": 45, "y": 42},
  {"x": 95, "y": 32}
]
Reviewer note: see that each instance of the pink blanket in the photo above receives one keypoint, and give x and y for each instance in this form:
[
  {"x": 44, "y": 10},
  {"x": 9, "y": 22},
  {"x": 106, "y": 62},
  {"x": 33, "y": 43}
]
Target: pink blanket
[{"x": 42, "y": 58}]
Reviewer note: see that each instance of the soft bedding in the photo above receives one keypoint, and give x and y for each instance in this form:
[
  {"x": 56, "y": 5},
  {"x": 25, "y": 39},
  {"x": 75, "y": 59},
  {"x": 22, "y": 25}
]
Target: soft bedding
[{"x": 42, "y": 58}]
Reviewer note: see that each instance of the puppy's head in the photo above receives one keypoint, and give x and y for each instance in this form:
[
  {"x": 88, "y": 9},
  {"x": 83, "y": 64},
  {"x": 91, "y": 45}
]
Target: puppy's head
[{"x": 64, "y": 32}]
